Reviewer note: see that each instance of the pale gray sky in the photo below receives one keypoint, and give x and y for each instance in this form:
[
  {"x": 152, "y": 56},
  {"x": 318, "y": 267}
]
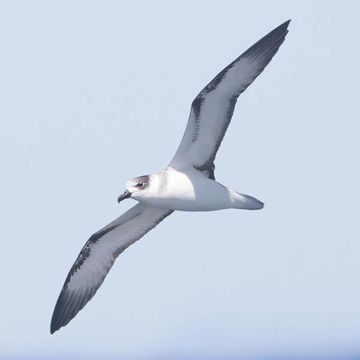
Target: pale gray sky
[{"x": 94, "y": 93}]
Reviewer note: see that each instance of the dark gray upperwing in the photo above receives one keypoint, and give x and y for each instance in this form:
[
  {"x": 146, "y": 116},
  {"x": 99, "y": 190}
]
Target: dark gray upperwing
[
  {"x": 212, "y": 109},
  {"x": 97, "y": 257}
]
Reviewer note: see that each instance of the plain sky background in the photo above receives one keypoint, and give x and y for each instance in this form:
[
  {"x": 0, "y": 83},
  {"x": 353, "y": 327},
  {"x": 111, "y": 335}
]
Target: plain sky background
[{"x": 94, "y": 93}]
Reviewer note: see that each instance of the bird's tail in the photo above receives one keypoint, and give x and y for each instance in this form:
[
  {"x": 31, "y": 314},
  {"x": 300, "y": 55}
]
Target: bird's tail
[{"x": 243, "y": 201}]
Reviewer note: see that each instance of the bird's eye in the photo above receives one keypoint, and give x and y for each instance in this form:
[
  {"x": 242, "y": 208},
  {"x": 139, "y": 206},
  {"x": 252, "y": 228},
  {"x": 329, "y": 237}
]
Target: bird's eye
[{"x": 140, "y": 184}]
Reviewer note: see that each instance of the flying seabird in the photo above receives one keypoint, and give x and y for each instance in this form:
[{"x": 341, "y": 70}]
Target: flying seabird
[{"x": 187, "y": 184}]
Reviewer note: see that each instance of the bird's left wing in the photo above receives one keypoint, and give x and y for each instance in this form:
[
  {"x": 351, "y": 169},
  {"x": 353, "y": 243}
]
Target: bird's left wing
[
  {"x": 97, "y": 257},
  {"x": 212, "y": 109}
]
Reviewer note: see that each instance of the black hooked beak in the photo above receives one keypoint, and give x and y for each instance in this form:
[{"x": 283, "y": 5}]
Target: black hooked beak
[{"x": 124, "y": 196}]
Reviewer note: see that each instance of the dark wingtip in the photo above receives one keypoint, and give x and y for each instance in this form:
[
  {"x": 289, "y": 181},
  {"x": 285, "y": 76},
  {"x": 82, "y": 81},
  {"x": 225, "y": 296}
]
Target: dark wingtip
[
  {"x": 54, "y": 326},
  {"x": 68, "y": 305},
  {"x": 283, "y": 27},
  {"x": 267, "y": 46},
  {"x": 287, "y": 22},
  {"x": 52, "y": 330},
  {"x": 63, "y": 312},
  {"x": 281, "y": 30}
]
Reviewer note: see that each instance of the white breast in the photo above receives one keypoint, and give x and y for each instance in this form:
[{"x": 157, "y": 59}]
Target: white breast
[{"x": 187, "y": 191}]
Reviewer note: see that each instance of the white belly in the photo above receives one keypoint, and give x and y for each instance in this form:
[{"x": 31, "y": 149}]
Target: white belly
[{"x": 190, "y": 191}]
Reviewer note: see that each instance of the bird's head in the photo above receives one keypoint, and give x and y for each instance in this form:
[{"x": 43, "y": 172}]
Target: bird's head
[{"x": 136, "y": 188}]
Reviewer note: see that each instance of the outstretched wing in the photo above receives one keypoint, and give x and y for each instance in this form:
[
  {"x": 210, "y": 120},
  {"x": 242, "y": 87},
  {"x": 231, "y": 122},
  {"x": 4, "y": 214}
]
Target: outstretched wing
[
  {"x": 212, "y": 109},
  {"x": 97, "y": 257}
]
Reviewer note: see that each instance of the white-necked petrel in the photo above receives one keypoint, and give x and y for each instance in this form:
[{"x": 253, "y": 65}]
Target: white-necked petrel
[{"x": 187, "y": 184}]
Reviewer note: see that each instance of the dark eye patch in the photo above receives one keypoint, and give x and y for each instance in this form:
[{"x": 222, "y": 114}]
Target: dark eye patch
[{"x": 141, "y": 182}]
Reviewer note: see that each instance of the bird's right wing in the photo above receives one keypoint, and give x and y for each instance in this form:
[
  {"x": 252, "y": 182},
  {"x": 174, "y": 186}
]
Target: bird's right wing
[{"x": 97, "y": 257}]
